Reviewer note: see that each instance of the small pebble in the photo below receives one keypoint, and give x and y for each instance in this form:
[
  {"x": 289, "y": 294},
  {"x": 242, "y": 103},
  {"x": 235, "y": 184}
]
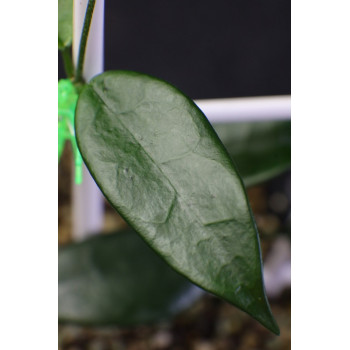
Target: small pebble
[
  {"x": 203, "y": 345},
  {"x": 279, "y": 202},
  {"x": 161, "y": 340}
]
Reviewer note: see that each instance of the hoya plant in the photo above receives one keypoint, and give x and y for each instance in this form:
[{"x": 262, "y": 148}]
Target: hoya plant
[{"x": 178, "y": 181}]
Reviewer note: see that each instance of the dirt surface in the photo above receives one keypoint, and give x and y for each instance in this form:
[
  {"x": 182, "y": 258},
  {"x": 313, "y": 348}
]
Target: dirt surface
[{"x": 210, "y": 324}]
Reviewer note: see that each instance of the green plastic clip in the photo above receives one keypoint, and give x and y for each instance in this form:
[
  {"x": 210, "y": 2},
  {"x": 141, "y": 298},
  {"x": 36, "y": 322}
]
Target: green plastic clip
[{"x": 67, "y": 102}]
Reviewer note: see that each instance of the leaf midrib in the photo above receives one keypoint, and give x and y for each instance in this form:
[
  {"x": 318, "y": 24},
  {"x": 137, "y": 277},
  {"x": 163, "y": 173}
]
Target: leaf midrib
[{"x": 177, "y": 197}]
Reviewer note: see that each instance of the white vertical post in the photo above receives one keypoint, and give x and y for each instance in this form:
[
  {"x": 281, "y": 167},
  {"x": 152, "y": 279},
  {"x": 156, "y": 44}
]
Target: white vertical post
[{"x": 88, "y": 204}]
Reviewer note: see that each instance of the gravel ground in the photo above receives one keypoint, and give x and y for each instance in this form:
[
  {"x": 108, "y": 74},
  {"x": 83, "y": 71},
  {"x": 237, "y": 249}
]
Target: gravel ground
[{"x": 210, "y": 324}]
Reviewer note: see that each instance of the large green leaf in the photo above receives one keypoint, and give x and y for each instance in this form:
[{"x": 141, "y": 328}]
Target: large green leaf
[
  {"x": 261, "y": 150},
  {"x": 65, "y": 23},
  {"x": 118, "y": 279},
  {"x": 159, "y": 162}
]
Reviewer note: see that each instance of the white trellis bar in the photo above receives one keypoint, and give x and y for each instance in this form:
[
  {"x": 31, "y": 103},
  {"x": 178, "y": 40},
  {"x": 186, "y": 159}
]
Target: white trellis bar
[
  {"x": 246, "y": 109},
  {"x": 88, "y": 202}
]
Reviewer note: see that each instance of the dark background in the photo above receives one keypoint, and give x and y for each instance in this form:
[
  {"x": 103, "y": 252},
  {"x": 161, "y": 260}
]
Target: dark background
[{"x": 209, "y": 49}]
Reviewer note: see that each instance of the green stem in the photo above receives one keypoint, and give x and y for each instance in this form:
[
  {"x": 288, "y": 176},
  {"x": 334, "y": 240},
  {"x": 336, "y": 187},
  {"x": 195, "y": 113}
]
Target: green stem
[
  {"x": 83, "y": 41},
  {"x": 67, "y": 62}
]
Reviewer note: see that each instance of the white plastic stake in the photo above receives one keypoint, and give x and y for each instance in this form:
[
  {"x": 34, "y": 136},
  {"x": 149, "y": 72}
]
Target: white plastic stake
[
  {"x": 88, "y": 202},
  {"x": 226, "y": 110}
]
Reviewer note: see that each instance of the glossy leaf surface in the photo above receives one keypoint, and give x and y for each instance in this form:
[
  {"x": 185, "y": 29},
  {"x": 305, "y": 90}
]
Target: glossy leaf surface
[
  {"x": 261, "y": 150},
  {"x": 117, "y": 279},
  {"x": 65, "y": 23},
  {"x": 159, "y": 162}
]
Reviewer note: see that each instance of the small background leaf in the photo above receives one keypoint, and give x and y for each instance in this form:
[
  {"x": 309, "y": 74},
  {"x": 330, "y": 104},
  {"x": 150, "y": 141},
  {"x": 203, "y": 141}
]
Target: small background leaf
[
  {"x": 159, "y": 162},
  {"x": 261, "y": 150},
  {"x": 118, "y": 279},
  {"x": 65, "y": 23}
]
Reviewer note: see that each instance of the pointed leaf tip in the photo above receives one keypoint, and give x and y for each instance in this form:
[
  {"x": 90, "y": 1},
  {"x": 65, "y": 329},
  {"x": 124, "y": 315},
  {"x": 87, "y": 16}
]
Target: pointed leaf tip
[
  {"x": 161, "y": 165},
  {"x": 65, "y": 23}
]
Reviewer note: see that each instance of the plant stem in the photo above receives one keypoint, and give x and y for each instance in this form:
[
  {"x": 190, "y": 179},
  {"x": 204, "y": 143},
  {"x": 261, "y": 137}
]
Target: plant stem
[
  {"x": 83, "y": 41},
  {"x": 67, "y": 62}
]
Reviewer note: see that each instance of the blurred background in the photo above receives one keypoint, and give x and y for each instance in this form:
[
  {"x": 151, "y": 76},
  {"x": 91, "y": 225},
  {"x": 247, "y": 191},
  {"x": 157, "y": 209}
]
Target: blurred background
[{"x": 226, "y": 48}]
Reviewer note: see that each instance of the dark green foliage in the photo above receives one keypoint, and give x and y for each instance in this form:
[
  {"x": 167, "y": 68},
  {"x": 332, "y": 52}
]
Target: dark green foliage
[
  {"x": 117, "y": 279},
  {"x": 159, "y": 162}
]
